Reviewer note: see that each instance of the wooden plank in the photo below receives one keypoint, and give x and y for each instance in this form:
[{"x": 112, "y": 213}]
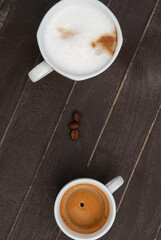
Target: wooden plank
[
  {"x": 140, "y": 213},
  {"x": 67, "y": 159},
  {"x": 133, "y": 113},
  {"x": 26, "y": 141},
  {"x": 4, "y": 10},
  {"x": 158, "y": 233},
  {"x": 18, "y": 51}
]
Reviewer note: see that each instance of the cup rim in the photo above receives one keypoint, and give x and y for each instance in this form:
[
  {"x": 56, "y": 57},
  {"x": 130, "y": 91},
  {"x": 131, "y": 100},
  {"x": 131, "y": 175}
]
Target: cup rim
[
  {"x": 106, "y": 227},
  {"x": 90, "y": 75}
]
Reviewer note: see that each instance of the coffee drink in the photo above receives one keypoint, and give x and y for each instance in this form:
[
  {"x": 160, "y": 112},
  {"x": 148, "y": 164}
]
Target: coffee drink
[
  {"x": 84, "y": 208},
  {"x": 79, "y": 38}
]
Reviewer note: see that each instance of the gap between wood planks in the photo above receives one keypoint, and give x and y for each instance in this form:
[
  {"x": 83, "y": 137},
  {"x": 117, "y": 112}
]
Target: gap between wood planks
[
  {"x": 138, "y": 158},
  {"x": 158, "y": 231},
  {"x": 122, "y": 84},
  {"x": 133, "y": 171},
  {"x": 17, "y": 105},
  {"x": 61, "y": 115},
  {"x": 110, "y": 112},
  {"x": 60, "y": 233},
  {"x": 4, "y": 10},
  {"x": 41, "y": 162}
]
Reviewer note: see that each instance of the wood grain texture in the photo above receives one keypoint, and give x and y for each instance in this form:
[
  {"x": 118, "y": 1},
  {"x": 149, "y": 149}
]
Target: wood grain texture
[
  {"x": 4, "y": 10},
  {"x": 140, "y": 213},
  {"x": 158, "y": 233},
  {"x": 26, "y": 141},
  {"x": 66, "y": 159},
  {"x": 18, "y": 51},
  {"x": 134, "y": 112}
]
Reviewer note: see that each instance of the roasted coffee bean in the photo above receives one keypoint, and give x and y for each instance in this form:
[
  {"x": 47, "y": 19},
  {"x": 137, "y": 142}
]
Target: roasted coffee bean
[
  {"x": 74, "y": 134},
  {"x": 77, "y": 117},
  {"x": 73, "y": 125}
]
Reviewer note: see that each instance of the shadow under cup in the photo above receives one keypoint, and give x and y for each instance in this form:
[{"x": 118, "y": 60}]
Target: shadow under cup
[{"x": 102, "y": 227}]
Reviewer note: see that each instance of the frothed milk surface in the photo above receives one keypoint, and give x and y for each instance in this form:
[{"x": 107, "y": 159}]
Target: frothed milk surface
[{"x": 78, "y": 38}]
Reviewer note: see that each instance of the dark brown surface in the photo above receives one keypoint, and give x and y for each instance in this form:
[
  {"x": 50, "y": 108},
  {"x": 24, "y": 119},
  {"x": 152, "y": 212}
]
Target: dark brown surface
[
  {"x": 120, "y": 133},
  {"x": 142, "y": 203}
]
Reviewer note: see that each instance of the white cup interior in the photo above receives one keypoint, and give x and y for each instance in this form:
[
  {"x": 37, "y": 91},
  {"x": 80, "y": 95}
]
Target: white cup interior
[
  {"x": 58, "y": 7},
  {"x": 91, "y": 236}
]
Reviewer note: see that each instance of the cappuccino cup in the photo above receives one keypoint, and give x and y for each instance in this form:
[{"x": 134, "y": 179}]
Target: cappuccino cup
[
  {"x": 78, "y": 39},
  {"x": 86, "y": 209}
]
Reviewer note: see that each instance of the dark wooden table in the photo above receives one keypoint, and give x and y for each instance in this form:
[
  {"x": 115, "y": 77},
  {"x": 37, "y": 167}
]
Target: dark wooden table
[{"x": 120, "y": 133}]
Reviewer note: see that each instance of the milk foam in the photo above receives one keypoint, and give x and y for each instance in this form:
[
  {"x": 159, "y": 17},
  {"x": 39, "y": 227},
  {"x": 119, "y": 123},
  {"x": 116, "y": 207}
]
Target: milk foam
[{"x": 68, "y": 36}]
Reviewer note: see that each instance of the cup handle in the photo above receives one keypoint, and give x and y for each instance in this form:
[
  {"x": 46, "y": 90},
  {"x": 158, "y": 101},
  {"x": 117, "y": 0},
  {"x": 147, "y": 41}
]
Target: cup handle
[
  {"x": 40, "y": 71},
  {"x": 114, "y": 184}
]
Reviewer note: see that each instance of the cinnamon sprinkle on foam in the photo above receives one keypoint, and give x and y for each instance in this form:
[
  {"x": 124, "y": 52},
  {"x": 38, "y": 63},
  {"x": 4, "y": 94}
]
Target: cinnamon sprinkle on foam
[
  {"x": 106, "y": 42},
  {"x": 66, "y": 33}
]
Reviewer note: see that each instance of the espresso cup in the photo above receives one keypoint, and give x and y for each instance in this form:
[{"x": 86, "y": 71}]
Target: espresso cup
[
  {"x": 48, "y": 65},
  {"x": 108, "y": 189}
]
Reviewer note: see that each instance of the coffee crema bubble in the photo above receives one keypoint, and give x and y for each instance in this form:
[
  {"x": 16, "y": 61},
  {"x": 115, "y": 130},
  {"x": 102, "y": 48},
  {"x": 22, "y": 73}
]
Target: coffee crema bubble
[
  {"x": 84, "y": 208},
  {"x": 80, "y": 38}
]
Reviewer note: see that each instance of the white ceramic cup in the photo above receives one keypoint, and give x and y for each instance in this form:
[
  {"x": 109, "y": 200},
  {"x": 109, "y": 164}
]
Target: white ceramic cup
[
  {"x": 108, "y": 189},
  {"x": 45, "y": 67}
]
